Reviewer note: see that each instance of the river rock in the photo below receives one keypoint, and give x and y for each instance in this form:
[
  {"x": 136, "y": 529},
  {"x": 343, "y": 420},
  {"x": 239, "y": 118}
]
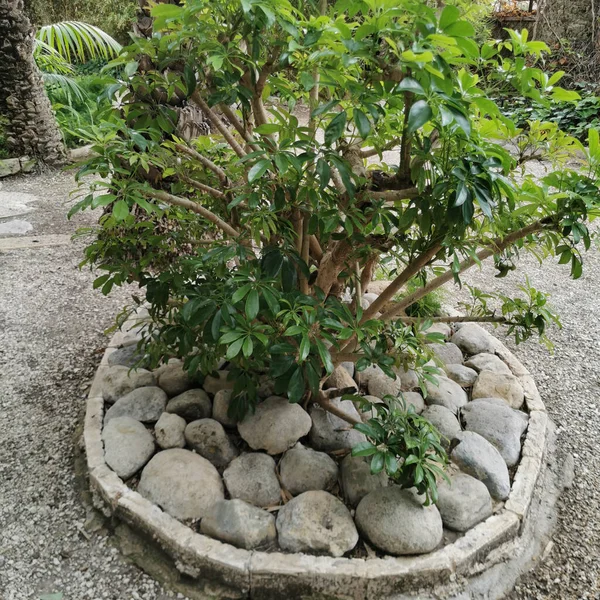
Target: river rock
[
  {"x": 448, "y": 353},
  {"x": 441, "y": 328},
  {"x": 340, "y": 378},
  {"x": 444, "y": 421},
  {"x": 380, "y": 385},
  {"x": 474, "y": 455},
  {"x": 447, "y": 393},
  {"x": 173, "y": 379},
  {"x": 128, "y": 356},
  {"x": 408, "y": 378},
  {"x": 393, "y": 520},
  {"x": 488, "y": 362},
  {"x": 169, "y": 431},
  {"x": 118, "y": 381},
  {"x": 251, "y": 477},
  {"x": 464, "y": 376},
  {"x": 349, "y": 366},
  {"x": 128, "y": 446},
  {"x": 214, "y": 384},
  {"x": 220, "y": 408},
  {"x": 317, "y": 523},
  {"x": 474, "y": 339},
  {"x": 415, "y": 400},
  {"x": 463, "y": 502},
  {"x": 238, "y": 523},
  {"x": 303, "y": 469},
  {"x": 499, "y": 385},
  {"x": 182, "y": 483},
  {"x": 275, "y": 426},
  {"x": 356, "y": 479},
  {"x": 144, "y": 404},
  {"x": 329, "y": 432},
  {"x": 498, "y": 424},
  {"x": 191, "y": 405},
  {"x": 208, "y": 438}
]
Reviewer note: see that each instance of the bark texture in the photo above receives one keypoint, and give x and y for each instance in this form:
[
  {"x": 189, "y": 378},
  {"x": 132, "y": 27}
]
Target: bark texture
[{"x": 32, "y": 129}]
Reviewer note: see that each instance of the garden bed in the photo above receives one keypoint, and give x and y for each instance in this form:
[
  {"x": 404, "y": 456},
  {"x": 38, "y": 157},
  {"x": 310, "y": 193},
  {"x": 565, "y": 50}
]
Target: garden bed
[{"x": 476, "y": 536}]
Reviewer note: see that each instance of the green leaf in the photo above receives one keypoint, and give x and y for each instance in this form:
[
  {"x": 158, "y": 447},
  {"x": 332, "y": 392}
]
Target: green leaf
[
  {"x": 240, "y": 293},
  {"x": 247, "y": 347},
  {"x": 561, "y": 95},
  {"x": 419, "y": 114},
  {"x": 258, "y": 170},
  {"x": 325, "y": 356},
  {"x": 268, "y": 128},
  {"x": 460, "y": 29},
  {"x": 234, "y": 349},
  {"x": 190, "y": 79},
  {"x": 362, "y": 123},
  {"x": 364, "y": 449},
  {"x": 252, "y": 304},
  {"x": 377, "y": 463},
  {"x": 296, "y": 386},
  {"x": 120, "y": 210},
  {"x": 449, "y": 15},
  {"x": 304, "y": 348},
  {"x": 272, "y": 262},
  {"x": 335, "y": 128},
  {"x": 324, "y": 172},
  {"x": 408, "y": 84}
]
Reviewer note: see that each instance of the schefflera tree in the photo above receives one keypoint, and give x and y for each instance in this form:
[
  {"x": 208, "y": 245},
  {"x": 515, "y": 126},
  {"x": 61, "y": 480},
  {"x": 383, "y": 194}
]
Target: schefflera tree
[{"x": 345, "y": 137}]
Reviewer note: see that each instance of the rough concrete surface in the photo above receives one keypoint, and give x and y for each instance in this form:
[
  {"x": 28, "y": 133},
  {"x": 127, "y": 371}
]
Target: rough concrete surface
[{"x": 51, "y": 338}]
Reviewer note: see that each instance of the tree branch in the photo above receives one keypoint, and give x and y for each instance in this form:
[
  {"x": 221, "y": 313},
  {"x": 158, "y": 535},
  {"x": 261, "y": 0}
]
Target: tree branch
[
  {"x": 216, "y": 121},
  {"x": 325, "y": 404},
  {"x": 395, "y": 195},
  {"x": 375, "y": 151},
  {"x": 194, "y": 207},
  {"x": 304, "y": 252},
  {"x": 315, "y": 249},
  {"x": 203, "y": 161},
  {"x": 203, "y": 187},
  {"x": 239, "y": 126},
  {"x": 497, "y": 246}
]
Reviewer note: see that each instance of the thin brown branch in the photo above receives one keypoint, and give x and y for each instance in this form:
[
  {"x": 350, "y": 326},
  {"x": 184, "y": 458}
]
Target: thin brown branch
[
  {"x": 238, "y": 125},
  {"x": 315, "y": 249},
  {"x": 368, "y": 271},
  {"x": 395, "y": 195},
  {"x": 410, "y": 271},
  {"x": 218, "y": 123},
  {"x": 203, "y": 161},
  {"x": 203, "y": 187},
  {"x": 303, "y": 281},
  {"x": 194, "y": 207},
  {"x": 326, "y": 405},
  {"x": 496, "y": 246}
]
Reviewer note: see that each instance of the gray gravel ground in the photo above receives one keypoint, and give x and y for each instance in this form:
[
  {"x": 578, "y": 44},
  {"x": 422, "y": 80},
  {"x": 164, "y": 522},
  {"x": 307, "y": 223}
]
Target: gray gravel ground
[{"x": 51, "y": 338}]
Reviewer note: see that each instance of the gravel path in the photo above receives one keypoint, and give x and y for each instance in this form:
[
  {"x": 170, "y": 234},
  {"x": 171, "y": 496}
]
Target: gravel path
[{"x": 51, "y": 338}]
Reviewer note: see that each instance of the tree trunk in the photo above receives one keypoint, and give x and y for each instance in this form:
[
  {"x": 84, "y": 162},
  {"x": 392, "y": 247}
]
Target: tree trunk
[{"x": 32, "y": 129}]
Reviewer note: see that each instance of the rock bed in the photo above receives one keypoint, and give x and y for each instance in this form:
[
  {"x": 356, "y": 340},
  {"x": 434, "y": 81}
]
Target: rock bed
[{"x": 283, "y": 479}]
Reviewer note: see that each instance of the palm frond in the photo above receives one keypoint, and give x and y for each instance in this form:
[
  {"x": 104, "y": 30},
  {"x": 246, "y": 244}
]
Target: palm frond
[
  {"x": 49, "y": 60},
  {"x": 75, "y": 40},
  {"x": 65, "y": 85}
]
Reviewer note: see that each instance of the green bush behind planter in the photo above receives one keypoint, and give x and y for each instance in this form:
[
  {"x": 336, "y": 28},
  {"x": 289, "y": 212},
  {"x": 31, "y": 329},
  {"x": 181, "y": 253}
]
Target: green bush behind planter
[{"x": 247, "y": 241}]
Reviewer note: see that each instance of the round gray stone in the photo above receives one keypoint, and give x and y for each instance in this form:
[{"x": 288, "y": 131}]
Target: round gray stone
[
  {"x": 182, "y": 483},
  {"x": 447, "y": 393},
  {"x": 498, "y": 424},
  {"x": 169, "y": 431},
  {"x": 474, "y": 455},
  {"x": 464, "y": 376},
  {"x": 128, "y": 446},
  {"x": 380, "y": 385},
  {"x": 220, "y": 408},
  {"x": 474, "y": 339},
  {"x": 251, "y": 477},
  {"x": 173, "y": 379},
  {"x": 499, "y": 385},
  {"x": 191, "y": 405},
  {"x": 316, "y": 522},
  {"x": 214, "y": 384},
  {"x": 393, "y": 520},
  {"x": 444, "y": 421},
  {"x": 303, "y": 469},
  {"x": 449, "y": 353},
  {"x": 275, "y": 426},
  {"x": 488, "y": 362},
  {"x": 118, "y": 381},
  {"x": 356, "y": 479},
  {"x": 340, "y": 378},
  {"x": 329, "y": 432},
  {"x": 208, "y": 438},
  {"x": 463, "y": 502},
  {"x": 144, "y": 404},
  {"x": 128, "y": 356},
  {"x": 238, "y": 523}
]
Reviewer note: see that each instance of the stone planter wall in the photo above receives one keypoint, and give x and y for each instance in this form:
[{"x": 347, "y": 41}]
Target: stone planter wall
[{"x": 219, "y": 570}]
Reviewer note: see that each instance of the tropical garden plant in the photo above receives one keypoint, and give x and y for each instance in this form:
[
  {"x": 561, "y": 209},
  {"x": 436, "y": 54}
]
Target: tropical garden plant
[{"x": 344, "y": 137}]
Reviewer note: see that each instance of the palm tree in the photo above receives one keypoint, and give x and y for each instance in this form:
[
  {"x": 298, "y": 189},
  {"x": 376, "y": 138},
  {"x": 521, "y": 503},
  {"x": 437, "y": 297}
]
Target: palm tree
[
  {"x": 32, "y": 129},
  {"x": 27, "y": 62}
]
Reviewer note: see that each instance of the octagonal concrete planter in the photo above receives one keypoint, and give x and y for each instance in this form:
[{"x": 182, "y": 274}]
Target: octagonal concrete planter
[{"x": 482, "y": 563}]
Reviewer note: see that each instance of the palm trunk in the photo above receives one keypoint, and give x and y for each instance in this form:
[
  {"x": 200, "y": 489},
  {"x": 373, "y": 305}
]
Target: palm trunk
[{"x": 32, "y": 129}]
